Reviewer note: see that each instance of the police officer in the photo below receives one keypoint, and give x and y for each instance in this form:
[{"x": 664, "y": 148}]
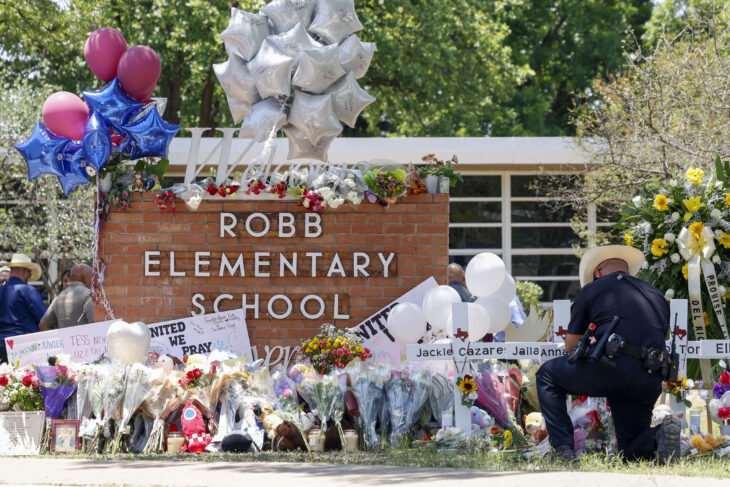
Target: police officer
[{"x": 609, "y": 289}]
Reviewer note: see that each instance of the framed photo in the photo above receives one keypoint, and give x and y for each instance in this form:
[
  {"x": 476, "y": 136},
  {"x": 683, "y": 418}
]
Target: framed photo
[{"x": 65, "y": 435}]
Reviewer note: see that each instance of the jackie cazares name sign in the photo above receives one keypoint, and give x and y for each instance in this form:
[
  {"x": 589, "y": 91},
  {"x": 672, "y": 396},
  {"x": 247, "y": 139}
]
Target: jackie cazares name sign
[
  {"x": 267, "y": 264},
  {"x": 488, "y": 350}
]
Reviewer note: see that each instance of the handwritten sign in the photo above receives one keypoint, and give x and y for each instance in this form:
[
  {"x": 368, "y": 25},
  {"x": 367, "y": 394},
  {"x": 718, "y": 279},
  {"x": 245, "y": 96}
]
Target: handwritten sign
[
  {"x": 85, "y": 343},
  {"x": 374, "y": 330}
]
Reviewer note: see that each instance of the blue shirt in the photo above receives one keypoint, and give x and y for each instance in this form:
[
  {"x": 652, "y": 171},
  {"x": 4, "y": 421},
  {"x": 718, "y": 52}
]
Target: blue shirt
[
  {"x": 21, "y": 309},
  {"x": 518, "y": 317}
]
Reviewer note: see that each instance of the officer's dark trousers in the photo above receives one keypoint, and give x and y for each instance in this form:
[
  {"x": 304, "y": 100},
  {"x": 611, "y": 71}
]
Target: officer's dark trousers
[{"x": 631, "y": 392}]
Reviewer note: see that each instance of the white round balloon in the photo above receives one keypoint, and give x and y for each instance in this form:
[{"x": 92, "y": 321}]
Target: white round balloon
[
  {"x": 507, "y": 290},
  {"x": 437, "y": 306},
  {"x": 128, "y": 342},
  {"x": 485, "y": 274},
  {"x": 407, "y": 323},
  {"x": 498, "y": 310},
  {"x": 478, "y": 322}
]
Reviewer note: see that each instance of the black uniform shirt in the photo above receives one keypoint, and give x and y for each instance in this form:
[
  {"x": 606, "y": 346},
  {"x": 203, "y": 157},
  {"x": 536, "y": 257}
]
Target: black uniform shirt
[{"x": 609, "y": 296}]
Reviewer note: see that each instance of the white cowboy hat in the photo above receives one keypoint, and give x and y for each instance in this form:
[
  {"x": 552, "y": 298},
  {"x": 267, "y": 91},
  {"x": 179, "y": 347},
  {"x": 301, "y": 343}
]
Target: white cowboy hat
[
  {"x": 633, "y": 257},
  {"x": 22, "y": 260}
]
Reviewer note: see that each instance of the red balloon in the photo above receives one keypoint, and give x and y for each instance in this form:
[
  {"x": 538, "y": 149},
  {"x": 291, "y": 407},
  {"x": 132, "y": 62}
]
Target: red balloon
[
  {"x": 66, "y": 114},
  {"x": 138, "y": 71},
  {"x": 102, "y": 51}
]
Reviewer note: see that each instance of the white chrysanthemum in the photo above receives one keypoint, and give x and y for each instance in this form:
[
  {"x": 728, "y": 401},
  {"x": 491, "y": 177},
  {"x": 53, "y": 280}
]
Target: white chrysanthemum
[
  {"x": 645, "y": 265},
  {"x": 716, "y": 259},
  {"x": 675, "y": 258},
  {"x": 672, "y": 182},
  {"x": 636, "y": 201},
  {"x": 715, "y": 213},
  {"x": 718, "y": 184},
  {"x": 669, "y": 294},
  {"x": 670, "y": 237},
  {"x": 194, "y": 202},
  {"x": 350, "y": 183},
  {"x": 325, "y": 192},
  {"x": 305, "y": 202},
  {"x": 675, "y": 216},
  {"x": 335, "y": 202},
  {"x": 723, "y": 290},
  {"x": 714, "y": 406}
]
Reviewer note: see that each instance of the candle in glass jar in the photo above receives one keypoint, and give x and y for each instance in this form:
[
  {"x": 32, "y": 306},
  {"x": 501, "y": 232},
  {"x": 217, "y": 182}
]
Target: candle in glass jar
[
  {"x": 316, "y": 440},
  {"x": 174, "y": 442},
  {"x": 352, "y": 441}
]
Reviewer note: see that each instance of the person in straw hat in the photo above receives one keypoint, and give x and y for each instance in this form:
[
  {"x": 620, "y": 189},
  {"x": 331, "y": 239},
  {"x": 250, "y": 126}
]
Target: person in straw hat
[
  {"x": 4, "y": 274},
  {"x": 21, "y": 306},
  {"x": 610, "y": 289}
]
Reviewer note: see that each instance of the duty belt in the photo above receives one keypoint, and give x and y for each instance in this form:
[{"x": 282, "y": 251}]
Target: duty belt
[{"x": 652, "y": 358}]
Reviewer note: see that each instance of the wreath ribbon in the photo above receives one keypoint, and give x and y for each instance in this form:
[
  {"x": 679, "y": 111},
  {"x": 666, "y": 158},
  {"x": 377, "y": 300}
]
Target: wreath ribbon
[{"x": 698, "y": 252}]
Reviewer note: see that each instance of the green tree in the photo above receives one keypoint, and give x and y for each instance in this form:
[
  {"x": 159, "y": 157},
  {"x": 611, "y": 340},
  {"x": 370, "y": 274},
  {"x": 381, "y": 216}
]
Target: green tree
[
  {"x": 567, "y": 44},
  {"x": 35, "y": 217}
]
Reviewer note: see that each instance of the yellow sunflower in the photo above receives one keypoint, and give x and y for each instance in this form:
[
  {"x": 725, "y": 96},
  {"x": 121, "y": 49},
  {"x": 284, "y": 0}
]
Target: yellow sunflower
[
  {"x": 696, "y": 229},
  {"x": 467, "y": 385},
  {"x": 661, "y": 202},
  {"x": 695, "y": 175},
  {"x": 725, "y": 240},
  {"x": 727, "y": 199}
]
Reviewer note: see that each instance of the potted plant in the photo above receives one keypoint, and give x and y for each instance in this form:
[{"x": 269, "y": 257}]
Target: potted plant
[{"x": 438, "y": 175}]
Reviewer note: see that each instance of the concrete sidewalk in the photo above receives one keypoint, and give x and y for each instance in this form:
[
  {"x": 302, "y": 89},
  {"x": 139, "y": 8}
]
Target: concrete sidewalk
[{"x": 49, "y": 471}]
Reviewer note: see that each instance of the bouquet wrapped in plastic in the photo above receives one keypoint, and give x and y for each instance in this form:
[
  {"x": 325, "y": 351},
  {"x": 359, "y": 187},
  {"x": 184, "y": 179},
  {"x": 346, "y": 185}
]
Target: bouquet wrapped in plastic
[
  {"x": 85, "y": 391},
  {"x": 397, "y": 392},
  {"x": 386, "y": 183},
  {"x": 56, "y": 387},
  {"x": 419, "y": 390},
  {"x": 490, "y": 397},
  {"x": 441, "y": 396},
  {"x": 164, "y": 397},
  {"x": 108, "y": 391},
  {"x": 138, "y": 386},
  {"x": 287, "y": 404},
  {"x": 202, "y": 384},
  {"x": 367, "y": 384}
]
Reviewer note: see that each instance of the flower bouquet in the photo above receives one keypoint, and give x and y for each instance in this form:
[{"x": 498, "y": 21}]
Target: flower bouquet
[
  {"x": 56, "y": 387},
  {"x": 84, "y": 391},
  {"x": 678, "y": 390},
  {"x": 160, "y": 402},
  {"x": 419, "y": 386},
  {"x": 19, "y": 389},
  {"x": 441, "y": 396},
  {"x": 719, "y": 404},
  {"x": 468, "y": 389},
  {"x": 682, "y": 228},
  {"x": 397, "y": 393},
  {"x": 201, "y": 384},
  {"x": 490, "y": 397},
  {"x": 333, "y": 348},
  {"x": 107, "y": 395},
  {"x": 367, "y": 384},
  {"x": 309, "y": 199},
  {"x": 287, "y": 405},
  {"x": 385, "y": 185},
  {"x": 138, "y": 386}
]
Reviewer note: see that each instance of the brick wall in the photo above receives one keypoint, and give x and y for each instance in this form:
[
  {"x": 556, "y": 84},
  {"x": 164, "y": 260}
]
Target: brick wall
[{"x": 415, "y": 229}]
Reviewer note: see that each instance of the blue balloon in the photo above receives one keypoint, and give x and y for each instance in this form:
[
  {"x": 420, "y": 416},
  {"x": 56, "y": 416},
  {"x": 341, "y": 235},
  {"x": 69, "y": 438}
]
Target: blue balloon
[
  {"x": 150, "y": 136},
  {"x": 97, "y": 144},
  {"x": 41, "y": 151},
  {"x": 72, "y": 167},
  {"x": 113, "y": 104}
]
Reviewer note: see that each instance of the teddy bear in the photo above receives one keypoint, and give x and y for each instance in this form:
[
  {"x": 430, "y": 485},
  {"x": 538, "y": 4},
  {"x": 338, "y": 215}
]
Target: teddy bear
[
  {"x": 535, "y": 426},
  {"x": 706, "y": 443}
]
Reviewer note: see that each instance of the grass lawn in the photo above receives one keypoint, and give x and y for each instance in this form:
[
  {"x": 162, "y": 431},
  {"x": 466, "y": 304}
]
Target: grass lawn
[{"x": 698, "y": 466}]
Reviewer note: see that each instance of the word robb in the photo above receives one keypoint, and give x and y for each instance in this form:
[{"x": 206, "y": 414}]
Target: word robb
[{"x": 267, "y": 264}]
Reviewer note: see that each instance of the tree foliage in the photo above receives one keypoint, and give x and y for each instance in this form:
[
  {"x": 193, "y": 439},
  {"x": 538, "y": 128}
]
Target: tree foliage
[
  {"x": 666, "y": 113},
  {"x": 35, "y": 217},
  {"x": 442, "y": 67}
]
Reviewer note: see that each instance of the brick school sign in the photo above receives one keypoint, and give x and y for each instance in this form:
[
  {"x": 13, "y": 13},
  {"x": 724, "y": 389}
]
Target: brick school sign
[{"x": 290, "y": 270}]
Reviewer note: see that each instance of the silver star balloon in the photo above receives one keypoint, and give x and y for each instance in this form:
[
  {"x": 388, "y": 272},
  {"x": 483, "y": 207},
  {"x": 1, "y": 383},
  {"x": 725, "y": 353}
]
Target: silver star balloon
[
  {"x": 245, "y": 33},
  {"x": 271, "y": 71},
  {"x": 349, "y": 99},
  {"x": 238, "y": 84},
  {"x": 293, "y": 42},
  {"x": 301, "y": 148},
  {"x": 318, "y": 69},
  {"x": 335, "y": 20},
  {"x": 356, "y": 55},
  {"x": 313, "y": 115},
  {"x": 161, "y": 105},
  {"x": 285, "y": 14},
  {"x": 261, "y": 118}
]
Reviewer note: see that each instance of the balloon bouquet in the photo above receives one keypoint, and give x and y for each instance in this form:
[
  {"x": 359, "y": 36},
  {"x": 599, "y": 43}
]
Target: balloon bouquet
[
  {"x": 77, "y": 137},
  {"x": 486, "y": 278},
  {"x": 294, "y": 66}
]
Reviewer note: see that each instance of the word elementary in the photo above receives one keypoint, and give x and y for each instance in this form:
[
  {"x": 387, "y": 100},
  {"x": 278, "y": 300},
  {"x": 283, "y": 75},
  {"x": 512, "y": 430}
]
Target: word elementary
[{"x": 267, "y": 264}]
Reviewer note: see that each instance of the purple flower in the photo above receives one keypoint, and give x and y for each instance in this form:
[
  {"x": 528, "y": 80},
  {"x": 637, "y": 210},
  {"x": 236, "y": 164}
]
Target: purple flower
[
  {"x": 719, "y": 390},
  {"x": 371, "y": 196}
]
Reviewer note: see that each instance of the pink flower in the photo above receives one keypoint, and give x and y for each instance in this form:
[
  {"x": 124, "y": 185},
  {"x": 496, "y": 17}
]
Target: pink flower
[
  {"x": 125, "y": 194},
  {"x": 35, "y": 381},
  {"x": 725, "y": 378}
]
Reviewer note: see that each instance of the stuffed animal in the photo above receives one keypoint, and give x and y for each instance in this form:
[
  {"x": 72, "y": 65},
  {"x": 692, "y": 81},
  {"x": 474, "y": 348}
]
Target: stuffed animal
[
  {"x": 196, "y": 438},
  {"x": 288, "y": 438},
  {"x": 706, "y": 443},
  {"x": 534, "y": 425},
  {"x": 480, "y": 419},
  {"x": 269, "y": 419}
]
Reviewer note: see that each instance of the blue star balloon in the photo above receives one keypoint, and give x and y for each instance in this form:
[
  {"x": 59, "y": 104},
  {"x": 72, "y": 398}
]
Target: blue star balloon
[
  {"x": 72, "y": 167},
  {"x": 41, "y": 151},
  {"x": 97, "y": 143},
  {"x": 150, "y": 136},
  {"x": 113, "y": 104}
]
